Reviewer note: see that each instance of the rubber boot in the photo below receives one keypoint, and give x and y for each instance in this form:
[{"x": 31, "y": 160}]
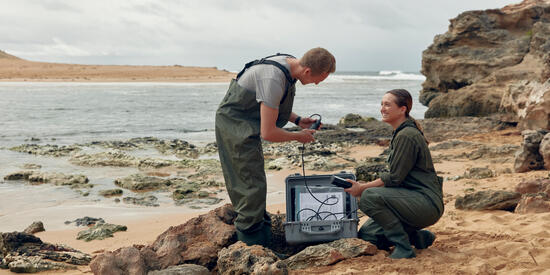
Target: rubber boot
[
  {"x": 422, "y": 239},
  {"x": 397, "y": 235},
  {"x": 372, "y": 232},
  {"x": 258, "y": 234}
]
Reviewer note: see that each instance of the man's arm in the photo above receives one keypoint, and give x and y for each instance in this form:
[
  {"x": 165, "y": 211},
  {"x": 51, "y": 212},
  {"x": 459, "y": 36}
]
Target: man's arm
[{"x": 270, "y": 132}]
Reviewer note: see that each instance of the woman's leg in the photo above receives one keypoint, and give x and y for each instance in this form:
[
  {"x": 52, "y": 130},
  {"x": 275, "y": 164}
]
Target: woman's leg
[{"x": 391, "y": 208}]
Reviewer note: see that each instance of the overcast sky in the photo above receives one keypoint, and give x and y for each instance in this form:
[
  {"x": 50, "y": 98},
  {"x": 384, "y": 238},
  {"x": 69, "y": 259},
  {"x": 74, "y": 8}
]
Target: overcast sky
[{"x": 363, "y": 35}]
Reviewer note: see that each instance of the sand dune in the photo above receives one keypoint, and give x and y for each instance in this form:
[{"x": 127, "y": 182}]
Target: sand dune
[{"x": 16, "y": 69}]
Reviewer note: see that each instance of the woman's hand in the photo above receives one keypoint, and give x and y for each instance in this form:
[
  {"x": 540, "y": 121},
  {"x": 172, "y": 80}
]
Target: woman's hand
[{"x": 356, "y": 188}]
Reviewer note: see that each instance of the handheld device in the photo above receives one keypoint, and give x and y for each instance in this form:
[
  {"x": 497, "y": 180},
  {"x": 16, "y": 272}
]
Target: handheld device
[
  {"x": 316, "y": 124},
  {"x": 340, "y": 182}
]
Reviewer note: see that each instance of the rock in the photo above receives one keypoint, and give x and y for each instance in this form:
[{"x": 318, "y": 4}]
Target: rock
[
  {"x": 21, "y": 175},
  {"x": 488, "y": 200},
  {"x": 35, "y": 227},
  {"x": 198, "y": 240},
  {"x": 239, "y": 258},
  {"x": 22, "y": 252},
  {"x": 479, "y": 173},
  {"x": 370, "y": 172},
  {"x": 33, "y": 264},
  {"x": 184, "y": 269},
  {"x": 544, "y": 150},
  {"x": 75, "y": 181},
  {"x": 111, "y": 192},
  {"x": 31, "y": 166},
  {"x": 533, "y": 203},
  {"x": 529, "y": 102},
  {"x": 47, "y": 150},
  {"x": 126, "y": 260},
  {"x": 534, "y": 186},
  {"x": 143, "y": 201},
  {"x": 86, "y": 221},
  {"x": 110, "y": 158},
  {"x": 100, "y": 231},
  {"x": 354, "y": 120},
  {"x": 139, "y": 182},
  {"x": 180, "y": 148},
  {"x": 330, "y": 253},
  {"x": 482, "y": 64},
  {"x": 528, "y": 157}
]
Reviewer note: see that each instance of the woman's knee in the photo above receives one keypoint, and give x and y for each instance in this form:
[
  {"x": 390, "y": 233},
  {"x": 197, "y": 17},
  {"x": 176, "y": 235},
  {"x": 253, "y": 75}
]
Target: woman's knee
[{"x": 370, "y": 199}]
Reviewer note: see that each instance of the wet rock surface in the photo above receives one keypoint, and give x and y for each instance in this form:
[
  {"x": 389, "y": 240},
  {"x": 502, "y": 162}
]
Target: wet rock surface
[
  {"x": 86, "y": 221},
  {"x": 100, "y": 231},
  {"x": 47, "y": 150},
  {"x": 143, "y": 201},
  {"x": 25, "y": 253},
  {"x": 37, "y": 177}
]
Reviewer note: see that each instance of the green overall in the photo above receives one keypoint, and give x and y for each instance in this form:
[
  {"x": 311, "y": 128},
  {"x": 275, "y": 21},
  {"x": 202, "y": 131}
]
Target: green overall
[
  {"x": 241, "y": 155},
  {"x": 411, "y": 199}
]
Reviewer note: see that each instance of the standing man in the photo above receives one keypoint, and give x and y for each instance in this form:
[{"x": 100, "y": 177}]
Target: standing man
[{"x": 257, "y": 105}]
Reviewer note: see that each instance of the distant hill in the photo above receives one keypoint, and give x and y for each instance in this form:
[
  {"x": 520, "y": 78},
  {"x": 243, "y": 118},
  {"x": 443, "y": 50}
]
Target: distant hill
[{"x": 6, "y": 55}]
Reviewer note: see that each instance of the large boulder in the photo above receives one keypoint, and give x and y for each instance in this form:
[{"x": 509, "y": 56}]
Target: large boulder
[
  {"x": 488, "y": 200},
  {"x": 485, "y": 61},
  {"x": 197, "y": 241}
]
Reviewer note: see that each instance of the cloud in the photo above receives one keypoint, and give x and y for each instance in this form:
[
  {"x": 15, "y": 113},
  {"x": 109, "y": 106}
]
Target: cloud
[{"x": 363, "y": 35}]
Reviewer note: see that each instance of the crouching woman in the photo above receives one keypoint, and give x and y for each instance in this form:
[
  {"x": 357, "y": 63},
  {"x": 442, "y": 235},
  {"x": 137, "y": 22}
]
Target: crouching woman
[{"x": 408, "y": 198}]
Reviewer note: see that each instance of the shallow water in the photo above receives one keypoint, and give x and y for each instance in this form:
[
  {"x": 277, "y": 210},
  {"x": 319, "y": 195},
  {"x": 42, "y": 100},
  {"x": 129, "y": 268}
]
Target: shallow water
[{"x": 69, "y": 113}]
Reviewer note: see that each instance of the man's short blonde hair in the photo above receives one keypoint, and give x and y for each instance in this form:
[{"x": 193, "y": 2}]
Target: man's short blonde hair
[{"x": 319, "y": 60}]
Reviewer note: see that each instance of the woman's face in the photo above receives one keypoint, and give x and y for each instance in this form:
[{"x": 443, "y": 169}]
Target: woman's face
[{"x": 390, "y": 111}]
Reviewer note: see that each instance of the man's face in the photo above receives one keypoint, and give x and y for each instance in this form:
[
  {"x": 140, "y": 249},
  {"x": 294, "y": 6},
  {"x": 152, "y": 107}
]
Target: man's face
[{"x": 309, "y": 78}]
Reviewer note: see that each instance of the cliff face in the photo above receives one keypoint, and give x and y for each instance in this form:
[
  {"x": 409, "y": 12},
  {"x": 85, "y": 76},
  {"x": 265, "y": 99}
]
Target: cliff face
[{"x": 492, "y": 61}]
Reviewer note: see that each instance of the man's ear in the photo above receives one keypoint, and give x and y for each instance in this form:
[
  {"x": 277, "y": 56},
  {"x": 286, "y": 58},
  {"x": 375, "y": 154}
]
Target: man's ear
[{"x": 307, "y": 71}]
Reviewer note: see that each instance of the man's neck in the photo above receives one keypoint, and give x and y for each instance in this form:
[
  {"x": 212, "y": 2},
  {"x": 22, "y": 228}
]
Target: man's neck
[{"x": 295, "y": 68}]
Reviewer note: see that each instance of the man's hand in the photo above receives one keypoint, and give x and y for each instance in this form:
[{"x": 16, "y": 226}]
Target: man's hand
[
  {"x": 306, "y": 122},
  {"x": 306, "y": 136}
]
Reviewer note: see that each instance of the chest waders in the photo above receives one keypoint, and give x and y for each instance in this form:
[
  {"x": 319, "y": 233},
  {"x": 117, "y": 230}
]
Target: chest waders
[{"x": 241, "y": 156}]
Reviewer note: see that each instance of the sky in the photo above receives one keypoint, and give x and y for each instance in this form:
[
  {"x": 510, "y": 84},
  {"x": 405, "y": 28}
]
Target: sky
[{"x": 363, "y": 35}]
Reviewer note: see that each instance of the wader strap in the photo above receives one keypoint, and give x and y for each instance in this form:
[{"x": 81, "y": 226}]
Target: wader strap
[{"x": 289, "y": 80}]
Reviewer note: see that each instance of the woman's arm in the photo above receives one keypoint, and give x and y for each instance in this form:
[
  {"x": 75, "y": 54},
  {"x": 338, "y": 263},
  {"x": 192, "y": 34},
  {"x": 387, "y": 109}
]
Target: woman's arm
[{"x": 357, "y": 188}]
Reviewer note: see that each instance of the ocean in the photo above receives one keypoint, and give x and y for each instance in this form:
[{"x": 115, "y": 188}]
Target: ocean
[{"x": 68, "y": 113}]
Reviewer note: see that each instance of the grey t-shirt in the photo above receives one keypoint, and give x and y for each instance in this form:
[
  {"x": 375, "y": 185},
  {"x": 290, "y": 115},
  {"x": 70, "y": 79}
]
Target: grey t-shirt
[{"x": 268, "y": 81}]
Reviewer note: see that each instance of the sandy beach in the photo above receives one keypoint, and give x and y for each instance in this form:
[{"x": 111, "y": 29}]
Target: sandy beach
[
  {"x": 16, "y": 69},
  {"x": 468, "y": 242}
]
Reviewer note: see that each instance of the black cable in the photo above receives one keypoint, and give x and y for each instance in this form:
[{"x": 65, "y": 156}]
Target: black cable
[{"x": 317, "y": 214}]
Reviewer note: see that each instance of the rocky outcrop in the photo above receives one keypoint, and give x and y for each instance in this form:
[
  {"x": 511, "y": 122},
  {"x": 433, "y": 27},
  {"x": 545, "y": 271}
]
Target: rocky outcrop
[
  {"x": 37, "y": 177},
  {"x": 544, "y": 150},
  {"x": 529, "y": 156},
  {"x": 492, "y": 61},
  {"x": 489, "y": 200},
  {"x": 35, "y": 227},
  {"x": 25, "y": 253},
  {"x": 197, "y": 241},
  {"x": 239, "y": 258}
]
